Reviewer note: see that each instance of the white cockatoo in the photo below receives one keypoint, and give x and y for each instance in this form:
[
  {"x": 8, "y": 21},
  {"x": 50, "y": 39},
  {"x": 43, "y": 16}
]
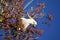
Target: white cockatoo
[{"x": 27, "y": 22}]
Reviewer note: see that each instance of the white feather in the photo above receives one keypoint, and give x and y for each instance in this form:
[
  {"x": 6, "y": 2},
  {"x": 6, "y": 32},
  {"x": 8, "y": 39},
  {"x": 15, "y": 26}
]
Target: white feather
[{"x": 27, "y": 22}]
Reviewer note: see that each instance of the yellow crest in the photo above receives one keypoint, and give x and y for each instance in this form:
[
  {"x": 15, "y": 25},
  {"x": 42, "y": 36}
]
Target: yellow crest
[{"x": 29, "y": 15}]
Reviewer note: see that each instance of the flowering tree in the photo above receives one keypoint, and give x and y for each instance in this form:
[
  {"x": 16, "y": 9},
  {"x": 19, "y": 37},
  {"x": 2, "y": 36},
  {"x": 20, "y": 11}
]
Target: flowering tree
[{"x": 13, "y": 20}]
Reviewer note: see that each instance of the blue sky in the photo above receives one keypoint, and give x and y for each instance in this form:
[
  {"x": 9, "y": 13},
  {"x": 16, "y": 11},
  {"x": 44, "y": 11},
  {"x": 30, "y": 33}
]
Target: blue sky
[{"x": 53, "y": 7}]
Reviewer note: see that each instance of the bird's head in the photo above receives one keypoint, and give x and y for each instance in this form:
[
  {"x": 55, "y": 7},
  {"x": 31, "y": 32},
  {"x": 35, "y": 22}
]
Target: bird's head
[{"x": 32, "y": 20}]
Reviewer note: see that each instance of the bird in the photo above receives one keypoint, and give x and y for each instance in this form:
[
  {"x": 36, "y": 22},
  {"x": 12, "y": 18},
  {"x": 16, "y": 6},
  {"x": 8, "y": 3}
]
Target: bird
[{"x": 28, "y": 21}]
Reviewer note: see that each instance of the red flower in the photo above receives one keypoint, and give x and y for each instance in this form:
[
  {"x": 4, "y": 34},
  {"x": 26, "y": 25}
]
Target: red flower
[
  {"x": 40, "y": 13},
  {"x": 14, "y": 24},
  {"x": 7, "y": 23},
  {"x": 50, "y": 17},
  {"x": 39, "y": 32},
  {"x": 20, "y": 2},
  {"x": 32, "y": 14},
  {"x": 42, "y": 5},
  {"x": 36, "y": 9}
]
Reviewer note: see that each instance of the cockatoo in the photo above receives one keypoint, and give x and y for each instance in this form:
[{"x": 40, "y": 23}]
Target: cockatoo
[{"x": 27, "y": 22}]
